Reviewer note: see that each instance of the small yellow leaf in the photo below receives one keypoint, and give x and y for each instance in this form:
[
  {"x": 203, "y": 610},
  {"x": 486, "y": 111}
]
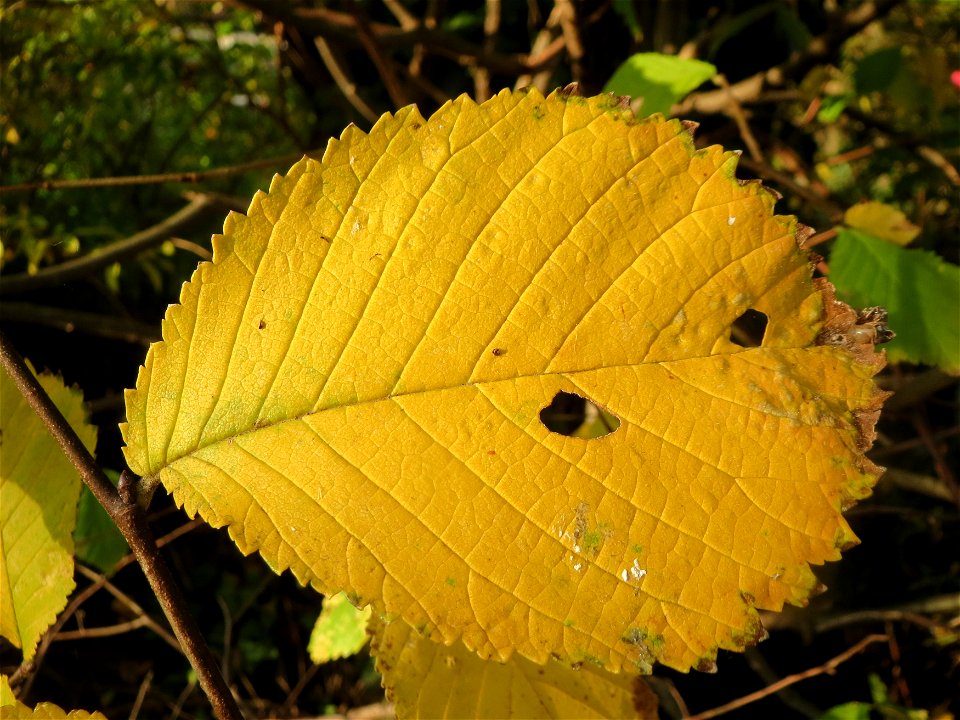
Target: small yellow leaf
[
  {"x": 13, "y": 709},
  {"x": 340, "y": 631},
  {"x": 882, "y": 221},
  {"x": 354, "y": 385},
  {"x": 39, "y": 490},
  {"x": 425, "y": 679}
]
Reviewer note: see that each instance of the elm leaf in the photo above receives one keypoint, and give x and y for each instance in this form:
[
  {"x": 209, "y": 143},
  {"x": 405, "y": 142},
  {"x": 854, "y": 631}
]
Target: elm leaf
[
  {"x": 354, "y": 385},
  {"x": 39, "y": 489},
  {"x": 920, "y": 291},
  {"x": 661, "y": 80},
  {"x": 425, "y": 679}
]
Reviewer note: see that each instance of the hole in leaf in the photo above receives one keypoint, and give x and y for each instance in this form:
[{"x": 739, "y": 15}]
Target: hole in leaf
[
  {"x": 574, "y": 416},
  {"x": 748, "y": 329}
]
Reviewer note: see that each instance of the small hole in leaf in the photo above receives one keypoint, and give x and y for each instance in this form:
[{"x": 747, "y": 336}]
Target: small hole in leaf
[
  {"x": 748, "y": 329},
  {"x": 574, "y": 416}
]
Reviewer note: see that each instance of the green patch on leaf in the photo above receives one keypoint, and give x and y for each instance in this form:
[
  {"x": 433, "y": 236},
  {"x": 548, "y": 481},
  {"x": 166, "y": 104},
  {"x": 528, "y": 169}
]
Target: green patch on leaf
[
  {"x": 920, "y": 291},
  {"x": 661, "y": 80},
  {"x": 340, "y": 631}
]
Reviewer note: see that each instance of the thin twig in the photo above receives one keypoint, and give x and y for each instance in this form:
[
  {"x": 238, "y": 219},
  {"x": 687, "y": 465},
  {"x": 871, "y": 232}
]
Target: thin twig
[
  {"x": 549, "y": 37},
  {"x": 818, "y": 50},
  {"x": 828, "y": 667},
  {"x": 383, "y": 64},
  {"x": 829, "y": 208},
  {"x": 571, "y": 37},
  {"x": 132, "y": 523},
  {"x": 900, "y": 447},
  {"x": 108, "y": 326},
  {"x": 107, "y": 255},
  {"x": 918, "y": 483},
  {"x": 491, "y": 25},
  {"x": 346, "y": 85},
  {"x": 106, "y": 631},
  {"x": 27, "y": 672},
  {"x": 331, "y": 24},
  {"x": 940, "y": 463},
  {"x": 131, "y": 605},
  {"x": 740, "y": 118},
  {"x": 141, "y": 694},
  {"x": 193, "y": 176}
]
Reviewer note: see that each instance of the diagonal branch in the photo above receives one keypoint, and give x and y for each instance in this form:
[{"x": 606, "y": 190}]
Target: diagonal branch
[
  {"x": 132, "y": 522},
  {"x": 828, "y": 667}
]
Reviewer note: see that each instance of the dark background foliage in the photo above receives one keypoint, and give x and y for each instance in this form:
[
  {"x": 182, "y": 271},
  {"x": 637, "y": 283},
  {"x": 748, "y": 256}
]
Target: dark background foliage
[{"x": 837, "y": 101}]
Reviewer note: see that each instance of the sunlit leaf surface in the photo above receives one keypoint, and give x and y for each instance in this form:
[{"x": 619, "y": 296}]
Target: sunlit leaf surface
[
  {"x": 425, "y": 679},
  {"x": 354, "y": 385}
]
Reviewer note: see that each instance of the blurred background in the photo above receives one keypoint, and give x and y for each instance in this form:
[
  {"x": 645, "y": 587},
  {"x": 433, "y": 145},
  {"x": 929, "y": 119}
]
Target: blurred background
[{"x": 129, "y": 128}]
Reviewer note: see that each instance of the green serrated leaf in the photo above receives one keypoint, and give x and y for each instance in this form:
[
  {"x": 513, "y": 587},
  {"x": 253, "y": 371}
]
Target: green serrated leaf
[
  {"x": 919, "y": 290},
  {"x": 661, "y": 80},
  {"x": 340, "y": 631},
  {"x": 39, "y": 488},
  {"x": 97, "y": 539}
]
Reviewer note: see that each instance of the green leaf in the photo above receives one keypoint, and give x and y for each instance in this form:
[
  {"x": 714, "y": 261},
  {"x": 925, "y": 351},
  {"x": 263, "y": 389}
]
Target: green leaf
[
  {"x": 39, "y": 488},
  {"x": 877, "y": 70},
  {"x": 97, "y": 539},
  {"x": 848, "y": 711},
  {"x": 355, "y": 385},
  {"x": 661, "y": 80},
  {"x": 340, "y": 631},
  {"x": 919, "y": 290}
]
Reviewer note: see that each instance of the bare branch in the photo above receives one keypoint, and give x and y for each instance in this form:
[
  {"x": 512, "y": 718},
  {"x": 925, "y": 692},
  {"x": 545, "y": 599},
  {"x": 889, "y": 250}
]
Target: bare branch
[
  {"x": 132, "y": 522},
  {"x": 346, "y": 85},
  {"x": 176, "y": 177},
  {"x": 828, "y": 667}
]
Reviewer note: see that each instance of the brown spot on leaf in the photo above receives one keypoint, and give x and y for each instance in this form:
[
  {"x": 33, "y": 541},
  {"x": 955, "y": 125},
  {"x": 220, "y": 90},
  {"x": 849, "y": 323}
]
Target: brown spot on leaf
[
  {"x": 498, "y": 352},
  {"x": 262, "y": 325},
  {"x": 845, "y": 328},
  {"x": 803, "y": 233},
  {"x": 706, "y": 665}
]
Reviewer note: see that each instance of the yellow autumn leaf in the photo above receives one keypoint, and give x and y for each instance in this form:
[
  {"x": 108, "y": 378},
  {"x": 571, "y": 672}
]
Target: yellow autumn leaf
[
  {"x": 881, "y": 221},
  {"x": 353, "y": 386},
  {"x": 13, "y": 709},
  {"x": 425, "y": 679},
  {"x": 39, "y": 491}
]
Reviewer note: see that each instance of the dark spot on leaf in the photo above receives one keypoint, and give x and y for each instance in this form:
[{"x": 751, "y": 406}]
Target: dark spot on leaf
[
  {"x": 706, "y": 665},
  {"x": 497, "y": 352},
  {"x": 416, "y": 126},
  {"x": 491, "y": 453},
  {"x": 262, "y": 325},
  {"x": 572, "y": 415},
  {"x": 748, "y": 329}
]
